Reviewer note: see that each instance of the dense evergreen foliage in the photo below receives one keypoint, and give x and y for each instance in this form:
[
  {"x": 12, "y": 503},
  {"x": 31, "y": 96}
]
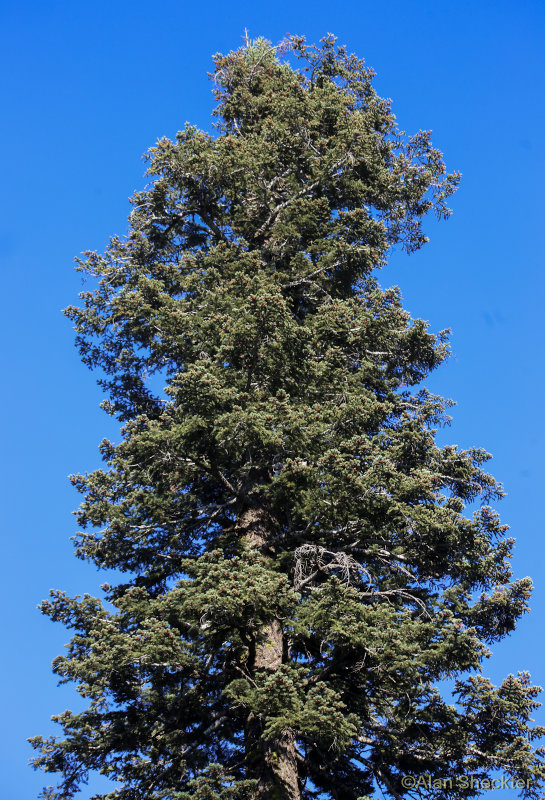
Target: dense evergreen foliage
[{"x": 298, "y": 572}]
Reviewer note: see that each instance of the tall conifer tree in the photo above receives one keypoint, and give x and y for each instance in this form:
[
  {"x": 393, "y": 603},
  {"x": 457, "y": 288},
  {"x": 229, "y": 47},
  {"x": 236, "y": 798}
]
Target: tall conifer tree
[{"x": 298, "y": 572}]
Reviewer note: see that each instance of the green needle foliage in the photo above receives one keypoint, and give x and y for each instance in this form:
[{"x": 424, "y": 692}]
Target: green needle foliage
[{"x": 298, "y": 572}]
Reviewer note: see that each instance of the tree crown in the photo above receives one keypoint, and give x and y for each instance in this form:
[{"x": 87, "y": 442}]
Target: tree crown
[{"x": 298, "y": 570}]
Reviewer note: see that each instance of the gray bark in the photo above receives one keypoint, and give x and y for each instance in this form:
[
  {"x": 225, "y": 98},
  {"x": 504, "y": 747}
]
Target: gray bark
[{"x": 273, "y": 763}]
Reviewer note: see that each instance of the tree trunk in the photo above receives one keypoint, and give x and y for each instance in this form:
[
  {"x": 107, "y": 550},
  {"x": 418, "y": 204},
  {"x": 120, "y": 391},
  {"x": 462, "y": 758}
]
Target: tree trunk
[{"x": 273, "y": 763}]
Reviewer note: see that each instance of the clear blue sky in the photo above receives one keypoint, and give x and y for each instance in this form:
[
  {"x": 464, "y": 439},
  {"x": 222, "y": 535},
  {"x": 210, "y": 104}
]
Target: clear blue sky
[{"x": 88, "y": 87}]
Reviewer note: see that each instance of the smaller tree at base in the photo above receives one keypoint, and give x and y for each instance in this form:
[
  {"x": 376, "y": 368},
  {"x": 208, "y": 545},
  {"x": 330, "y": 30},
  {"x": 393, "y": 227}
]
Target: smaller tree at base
[{"x": 299, "y": 574}]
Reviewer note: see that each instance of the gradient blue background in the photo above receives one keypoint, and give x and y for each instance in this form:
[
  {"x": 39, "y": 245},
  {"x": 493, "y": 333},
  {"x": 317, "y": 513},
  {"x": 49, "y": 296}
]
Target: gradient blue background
[{"x": 88, "y": 87}]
